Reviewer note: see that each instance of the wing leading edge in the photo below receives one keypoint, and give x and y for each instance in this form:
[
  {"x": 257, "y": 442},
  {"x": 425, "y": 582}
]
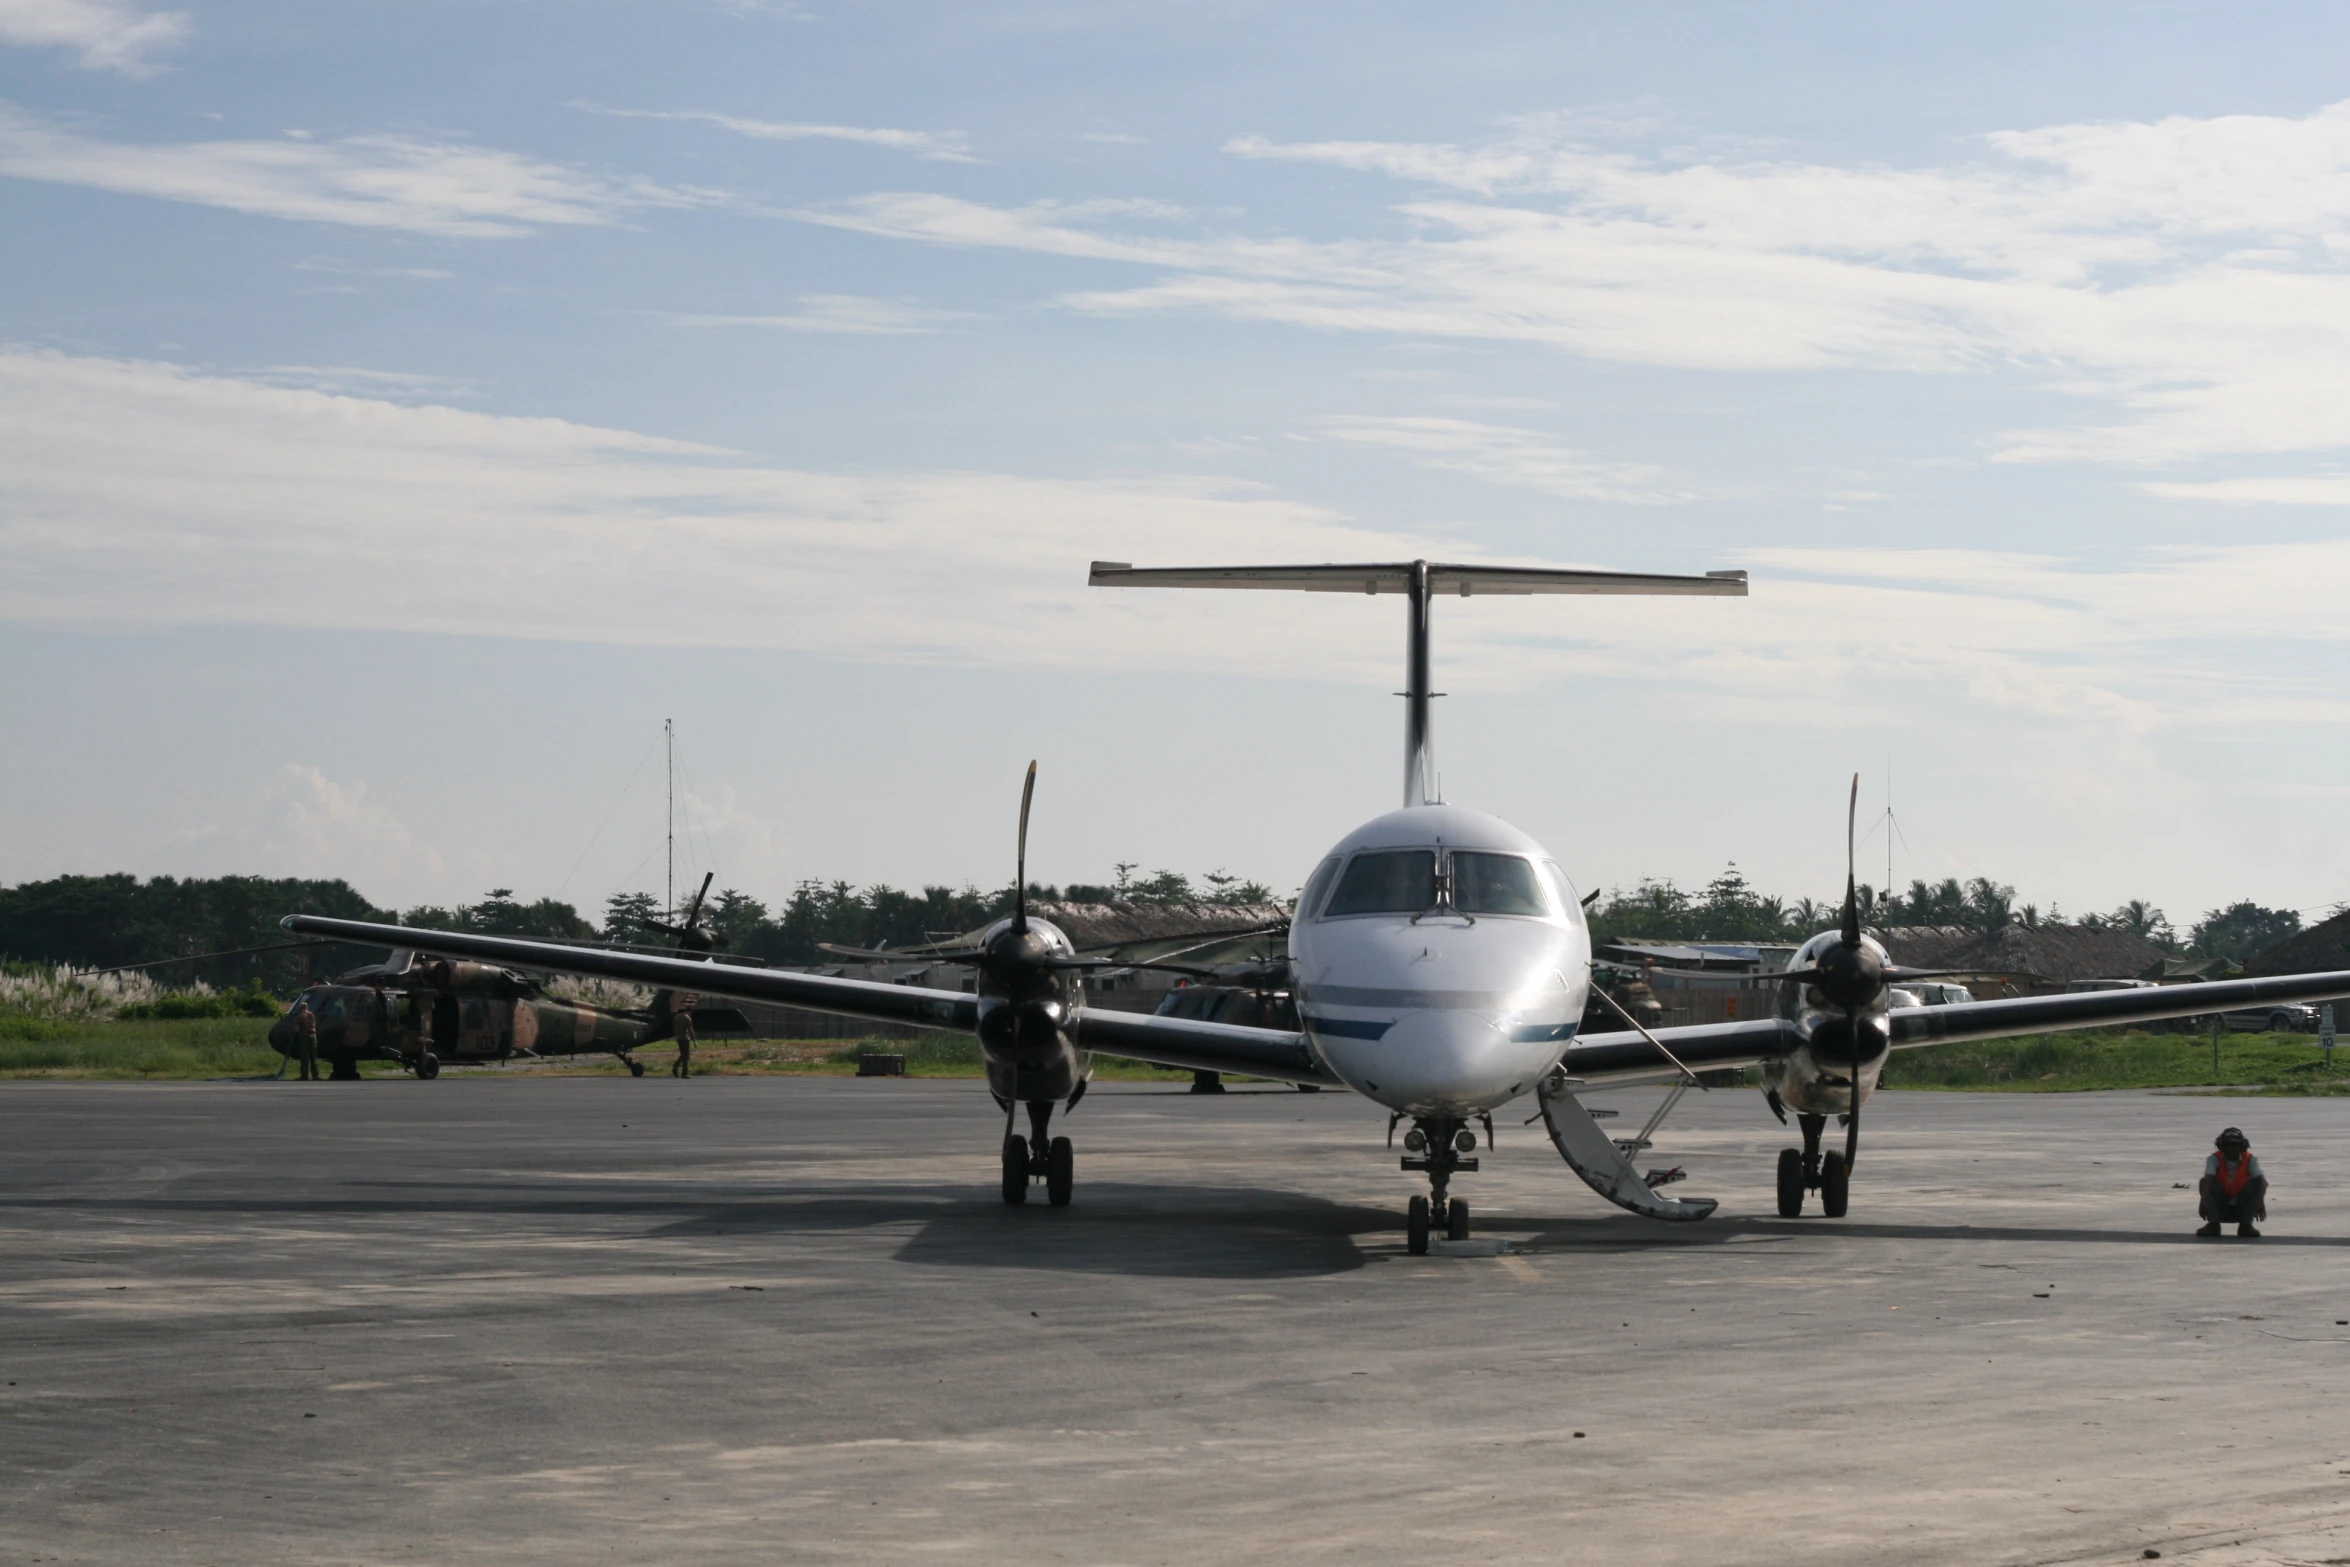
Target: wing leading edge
[
  {"x": 1623, "y": 1057},
  {"x": 1160, "y": 1041}
]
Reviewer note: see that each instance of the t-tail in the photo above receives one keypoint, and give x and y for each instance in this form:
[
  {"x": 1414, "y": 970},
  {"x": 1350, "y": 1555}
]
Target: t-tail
[{"x": 1420, "y": 582}]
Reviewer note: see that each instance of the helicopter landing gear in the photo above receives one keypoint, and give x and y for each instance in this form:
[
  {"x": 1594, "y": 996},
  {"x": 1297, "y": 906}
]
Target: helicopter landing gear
[
  {"x": 1036, "y": 1157},
  {"x": 635, "y": 1067},
  {"x": 1808, "y": 1170},
  {"x": 428, "y": 1066},
  {"x": 1437, "y": 1145}
]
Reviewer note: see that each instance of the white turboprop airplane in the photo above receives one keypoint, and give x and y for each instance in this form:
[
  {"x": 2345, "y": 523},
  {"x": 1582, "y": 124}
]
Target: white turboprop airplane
[{"x": 1440, "y": 964}]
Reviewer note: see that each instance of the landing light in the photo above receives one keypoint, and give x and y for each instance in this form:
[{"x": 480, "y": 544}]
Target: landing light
[
  {"x": 1466, "y": 1142},
  {"x": 1416, "y": 1140}
]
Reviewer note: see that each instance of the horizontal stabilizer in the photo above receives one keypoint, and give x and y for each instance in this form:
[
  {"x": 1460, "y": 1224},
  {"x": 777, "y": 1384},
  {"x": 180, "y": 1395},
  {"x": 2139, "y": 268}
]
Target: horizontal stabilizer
[{"x": 1396, "y": 577}]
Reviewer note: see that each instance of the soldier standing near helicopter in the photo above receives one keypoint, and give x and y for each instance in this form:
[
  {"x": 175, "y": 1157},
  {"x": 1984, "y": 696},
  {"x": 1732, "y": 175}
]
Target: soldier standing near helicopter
[
  {"x": 681, "y": 1024},
  {"x": 306, "y": 1038}
]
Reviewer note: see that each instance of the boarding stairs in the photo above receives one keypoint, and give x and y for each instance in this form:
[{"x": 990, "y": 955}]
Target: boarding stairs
[{"x": 1605, "y": 1162}]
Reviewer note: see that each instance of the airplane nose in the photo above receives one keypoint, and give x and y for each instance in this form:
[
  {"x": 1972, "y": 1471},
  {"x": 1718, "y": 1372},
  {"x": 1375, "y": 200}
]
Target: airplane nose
[{"x": 1438, "y": 1062}]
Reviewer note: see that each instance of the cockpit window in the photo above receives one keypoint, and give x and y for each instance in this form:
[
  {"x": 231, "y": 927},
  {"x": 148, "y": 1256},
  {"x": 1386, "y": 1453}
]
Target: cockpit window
[
  {"x": 1316, "y": 885},
  {"x": 1496, "y": 884},
  {"x": 1398, "y": 881}
]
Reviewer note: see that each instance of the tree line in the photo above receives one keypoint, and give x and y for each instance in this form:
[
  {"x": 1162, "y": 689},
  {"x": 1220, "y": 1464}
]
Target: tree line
[
  {"x": 91, "y": 922},
  {"x": 101, "y": 921},
  {"x": 1729, "y": 909}
]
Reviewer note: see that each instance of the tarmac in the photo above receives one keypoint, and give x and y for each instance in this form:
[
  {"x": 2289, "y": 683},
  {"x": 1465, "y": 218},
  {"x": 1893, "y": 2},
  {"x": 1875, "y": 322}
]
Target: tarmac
[{"x": 788, "y": 1320}]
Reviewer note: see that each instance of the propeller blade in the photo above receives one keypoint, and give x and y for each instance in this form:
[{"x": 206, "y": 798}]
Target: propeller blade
[
  {"x": 1851, "y": 886},
  {"x": 693, "y": 915},
  {"x": 1020, "y": 885}
]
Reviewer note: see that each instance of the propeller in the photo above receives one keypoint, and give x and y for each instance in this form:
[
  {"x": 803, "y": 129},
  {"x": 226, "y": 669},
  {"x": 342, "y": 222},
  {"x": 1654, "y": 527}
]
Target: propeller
[
  {"x": 1020, "y": 861},
  {"x": 691, "y": 937},
  {"x": 1851, "y": 975}
]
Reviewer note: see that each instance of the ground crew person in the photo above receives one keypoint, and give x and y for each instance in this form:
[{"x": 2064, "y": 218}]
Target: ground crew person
[
  {"x": 306, "y": 1038},
  {"x": 681, "y": 1024},
  {"x": 2234, "y": 1191}
]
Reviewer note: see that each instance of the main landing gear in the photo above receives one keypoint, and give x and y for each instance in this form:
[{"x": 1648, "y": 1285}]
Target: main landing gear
[
  {"x": 1033, "y": 1158},
  {"x": 1438, "y": 1145},
  {"x": 1809, "y": 1170}
]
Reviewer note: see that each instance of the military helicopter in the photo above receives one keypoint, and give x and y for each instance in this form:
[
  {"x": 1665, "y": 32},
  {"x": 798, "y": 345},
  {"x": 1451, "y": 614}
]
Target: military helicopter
[{"x": 451, "y": 1013}]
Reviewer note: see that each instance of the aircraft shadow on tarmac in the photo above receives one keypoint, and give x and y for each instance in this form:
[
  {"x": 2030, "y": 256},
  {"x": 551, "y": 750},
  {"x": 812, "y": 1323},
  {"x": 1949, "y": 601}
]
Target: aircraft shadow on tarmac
[{"x": 1114, "y": 1227}]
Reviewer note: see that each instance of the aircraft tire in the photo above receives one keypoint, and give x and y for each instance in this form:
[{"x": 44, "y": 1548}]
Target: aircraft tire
[
  {"x": 1456, "y": 1220},
  {"x": 428, "y": 1066},
  {"x": 1835, "y": 1185},
  {"x": 636, "y": 1069},
  {"x": 1060, "y": 1171},
  {"x": 1790, "y": 1183},
  {"x": 1015, "y": 1171},
  {"x": 1415, "y": 1227}
]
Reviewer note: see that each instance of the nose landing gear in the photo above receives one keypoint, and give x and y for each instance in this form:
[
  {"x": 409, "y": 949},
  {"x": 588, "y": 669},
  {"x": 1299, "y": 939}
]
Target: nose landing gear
[
  {"x": 1438, "y": 1145},
  {"x": 1809, "y": 1170},
  {"x": 1034, "y": 1158}
]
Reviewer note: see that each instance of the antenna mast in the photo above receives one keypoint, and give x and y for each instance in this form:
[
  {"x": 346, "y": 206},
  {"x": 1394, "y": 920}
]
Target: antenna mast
[{"x": 669, "y": 736}]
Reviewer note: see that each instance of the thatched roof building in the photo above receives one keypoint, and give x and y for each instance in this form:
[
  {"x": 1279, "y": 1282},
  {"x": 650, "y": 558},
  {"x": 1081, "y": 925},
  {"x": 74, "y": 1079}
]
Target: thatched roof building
[
  {"x": 2321, "y": 949},
  {"x": 2055, "y": 954}
]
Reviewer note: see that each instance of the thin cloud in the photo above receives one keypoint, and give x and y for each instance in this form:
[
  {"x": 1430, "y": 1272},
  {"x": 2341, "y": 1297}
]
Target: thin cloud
[
  {"x": 2180, "y": 277},
  {"x": 443, "y": 188},
  {"x": 1502, "y": 454},
  {"x": 105, "y": 35},
  {"x": 846, "y": 313},
  {"x": 149, "y": 494},
  {"x": 941, "y": 146}
]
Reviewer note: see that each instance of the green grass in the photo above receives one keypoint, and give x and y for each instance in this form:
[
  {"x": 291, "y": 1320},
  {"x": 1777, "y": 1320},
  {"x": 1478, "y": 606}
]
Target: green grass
[
  {"x": 2119, "y": 1058},
  {"x": 2049, "y": 1063},
  {"x": 147, "y": 1048}
]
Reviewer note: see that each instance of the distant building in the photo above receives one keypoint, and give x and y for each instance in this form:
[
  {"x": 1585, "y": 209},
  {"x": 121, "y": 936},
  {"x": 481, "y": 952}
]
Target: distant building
[
  {"x": 2022, "y": 959},
  {"x": 2321, "y": 949}
]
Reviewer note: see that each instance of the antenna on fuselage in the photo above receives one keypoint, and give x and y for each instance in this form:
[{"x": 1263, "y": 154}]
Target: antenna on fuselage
[{"x": 1420, "y": 581}]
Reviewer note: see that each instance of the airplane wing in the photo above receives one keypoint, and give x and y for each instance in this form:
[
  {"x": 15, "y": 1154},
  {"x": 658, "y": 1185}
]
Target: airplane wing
[
  {"x": 1161, "y": 1041},
  {"x": 1626, "y": 1056}
]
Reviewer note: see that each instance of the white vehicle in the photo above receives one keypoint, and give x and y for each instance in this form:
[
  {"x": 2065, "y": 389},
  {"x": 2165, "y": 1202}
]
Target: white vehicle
[
  {"x": 1440, "y": 965},
  {"x": 2273, "y": 1019}
]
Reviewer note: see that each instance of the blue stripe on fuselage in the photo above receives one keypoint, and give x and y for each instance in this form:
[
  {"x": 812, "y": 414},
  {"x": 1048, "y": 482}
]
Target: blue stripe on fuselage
[{"x": 1349, "y": 1027}]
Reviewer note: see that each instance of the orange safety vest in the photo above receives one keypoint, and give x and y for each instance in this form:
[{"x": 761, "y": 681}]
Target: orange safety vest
[{"x": 2233, "y": 1184}]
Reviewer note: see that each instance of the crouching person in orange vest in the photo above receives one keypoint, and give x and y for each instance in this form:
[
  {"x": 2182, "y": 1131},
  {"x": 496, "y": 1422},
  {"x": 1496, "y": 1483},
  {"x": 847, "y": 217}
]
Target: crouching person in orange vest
[{"x": 2234, "y": 1190}]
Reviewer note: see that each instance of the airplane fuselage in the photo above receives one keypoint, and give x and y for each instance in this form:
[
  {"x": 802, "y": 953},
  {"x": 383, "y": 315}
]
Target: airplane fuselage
[{"x": 1440, "y": 961}]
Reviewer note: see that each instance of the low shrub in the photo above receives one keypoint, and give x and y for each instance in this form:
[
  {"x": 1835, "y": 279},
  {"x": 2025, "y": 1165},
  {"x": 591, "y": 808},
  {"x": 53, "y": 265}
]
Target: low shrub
[
  {"x": 189, "y": 1008},
  {"x": 922, "y": 1050}
]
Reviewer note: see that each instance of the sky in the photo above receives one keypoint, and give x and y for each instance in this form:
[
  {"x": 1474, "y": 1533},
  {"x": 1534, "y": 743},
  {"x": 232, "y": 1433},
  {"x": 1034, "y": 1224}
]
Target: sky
[{"x": 406, "y": 409}]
